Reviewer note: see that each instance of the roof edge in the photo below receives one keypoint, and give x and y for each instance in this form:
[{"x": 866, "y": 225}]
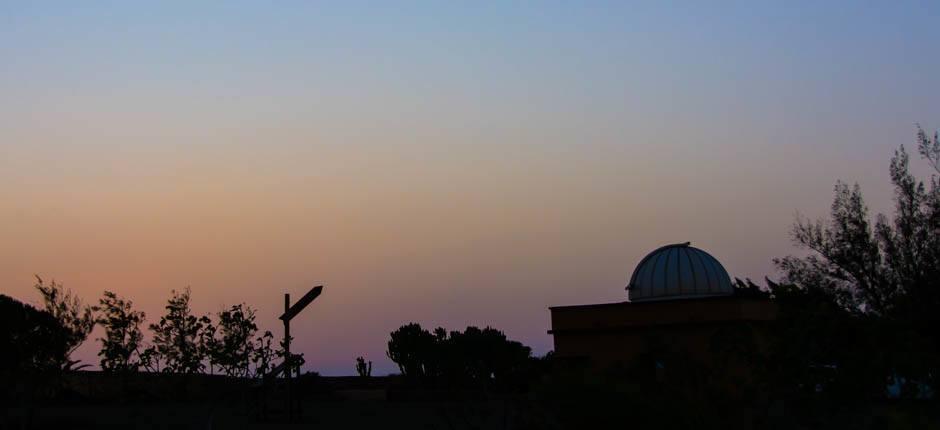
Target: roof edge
[{"x": 710, "y": 298}]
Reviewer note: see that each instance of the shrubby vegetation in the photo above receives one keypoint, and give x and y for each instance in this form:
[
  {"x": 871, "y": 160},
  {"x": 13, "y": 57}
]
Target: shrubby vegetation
[
  {"x": 34, "y": 351},
  {"x": 122, "y": 344},
  {"x": 882, "y": 278},
  {"x": 43, "y": 340},
  {"x": 234, "y": 349},
  {"x": 475, "y": 357},
  {"x": 263, "y": 354},
  {"x": 32, "y": 340},
  {"x": 185, "y": 343},
  {"x": 364, "y": 370},
  {"x": 176, "y": 336},
  {"x": 75, "y": 318}
]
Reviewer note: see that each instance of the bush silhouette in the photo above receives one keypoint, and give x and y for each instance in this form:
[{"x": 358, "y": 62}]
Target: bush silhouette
[
  {"x": 72, "y": 315},
  {"x": 33, "y": 347},
  {"x": 31, "y": 340},
  {"x": 122, "y": 344},
  {"x": 411, "y": 347},
  {"x": 364, "y": 370},
  {"x": 878, "y": 277},
  {"x": 472, "y": 358},
  {"x": 176, "y": 336},
  {"x": 234, "y": 349}
]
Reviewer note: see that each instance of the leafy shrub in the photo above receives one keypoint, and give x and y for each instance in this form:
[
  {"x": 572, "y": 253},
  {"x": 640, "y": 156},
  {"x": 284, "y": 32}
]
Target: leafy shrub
[
  {"x": 31, "y": 340},
  {"x": 176, "y": 336},
  {"x": 121, "y": 346},
  {"x": 72, "y": 315},
  {"x": 472, "y": 358}
]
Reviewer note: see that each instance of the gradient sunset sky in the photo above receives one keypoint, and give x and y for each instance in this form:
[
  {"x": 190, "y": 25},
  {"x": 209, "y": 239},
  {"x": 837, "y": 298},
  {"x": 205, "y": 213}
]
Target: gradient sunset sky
[{"x": 446, "y": 163}]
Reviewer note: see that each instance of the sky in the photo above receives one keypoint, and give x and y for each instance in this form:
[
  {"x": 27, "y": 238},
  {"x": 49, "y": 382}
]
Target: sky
[{"x": 447, "y": 163}]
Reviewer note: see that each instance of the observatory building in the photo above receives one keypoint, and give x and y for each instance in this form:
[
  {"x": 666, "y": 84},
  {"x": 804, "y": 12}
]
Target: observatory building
[{"x": 678, "y": 295}]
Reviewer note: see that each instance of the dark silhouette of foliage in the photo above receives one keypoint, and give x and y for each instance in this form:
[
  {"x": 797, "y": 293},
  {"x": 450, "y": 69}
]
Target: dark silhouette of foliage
[
  {"x": 929, "y": 148},
  {"x": 295, "y": 360},
  {"x": 235, "y": 348},
  {"x": 208, "y": 343},
  {"x": 31, "y": 340},
  {"x": 409, "y": 347},
  {"x": 263, "y": 354},
  {"x": 76, "y": 318},
  {"x": 484, "y": 355},
  {"x": 122, "y": 344},
  {"x": 176, "y": 336},
  {"x": 885, "y": 276},
  {"x": 824, "y": 355},
  {"x": 364, "y": 370},
  {"x": 885, "y": 270},
  {"x": 748, "y": 289},
  {"x": 474, "y": 357},
  {"x": 149, "y": 359},
  {"x": 33, "y": 347}
]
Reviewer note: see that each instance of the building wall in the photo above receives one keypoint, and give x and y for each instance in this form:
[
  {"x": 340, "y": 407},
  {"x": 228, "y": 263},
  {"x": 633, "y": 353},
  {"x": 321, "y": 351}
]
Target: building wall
[{"x": 608, "y": 334}]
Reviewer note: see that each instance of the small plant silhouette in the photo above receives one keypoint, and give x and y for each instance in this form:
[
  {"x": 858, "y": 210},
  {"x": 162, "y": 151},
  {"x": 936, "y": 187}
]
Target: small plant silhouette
[
  {"x": 364, "y": 370},
  {"x": 295, "y": 361},
  {"x": 263, "y": 355}
]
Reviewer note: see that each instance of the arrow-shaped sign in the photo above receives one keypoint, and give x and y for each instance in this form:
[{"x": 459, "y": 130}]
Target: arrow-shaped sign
[{"x": 301, "y": 304}]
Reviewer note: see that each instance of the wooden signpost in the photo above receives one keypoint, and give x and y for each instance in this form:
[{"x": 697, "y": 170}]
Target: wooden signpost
[{"x": 289, "y": 313}]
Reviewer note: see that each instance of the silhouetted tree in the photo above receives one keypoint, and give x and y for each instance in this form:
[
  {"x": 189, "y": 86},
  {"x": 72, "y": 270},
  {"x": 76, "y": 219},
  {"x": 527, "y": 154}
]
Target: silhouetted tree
[
  {"x": 122, "y": 344},
  {"x": 33, "y": 346},
  {"x": 176, "y": 336},
  {"x": 473, "y": 357},
  {"x": 485, "y": 356},
  {"x": 235, "y": 347},
  {"x": 884, "y": 276},
  {"x": 75, "y": 318},
  {"x": 31, "y": 340},
  {"x": 889, "y": 269},
  {"x": 409, "y": 347}
]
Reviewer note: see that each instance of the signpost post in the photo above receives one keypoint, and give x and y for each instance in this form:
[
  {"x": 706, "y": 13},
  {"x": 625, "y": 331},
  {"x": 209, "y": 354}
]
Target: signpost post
[{"x": 289, "y": 313}]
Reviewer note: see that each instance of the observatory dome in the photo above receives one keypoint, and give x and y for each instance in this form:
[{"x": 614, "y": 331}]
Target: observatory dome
[{"x": 678, "y": 271}]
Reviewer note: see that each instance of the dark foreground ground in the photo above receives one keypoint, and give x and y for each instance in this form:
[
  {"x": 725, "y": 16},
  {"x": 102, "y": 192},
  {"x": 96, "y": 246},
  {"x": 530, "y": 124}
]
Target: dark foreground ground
[
  {"x": 92, "y": 400},
  {"x": 362, "y": 414},
  {"x": 97, "y": 401}
]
